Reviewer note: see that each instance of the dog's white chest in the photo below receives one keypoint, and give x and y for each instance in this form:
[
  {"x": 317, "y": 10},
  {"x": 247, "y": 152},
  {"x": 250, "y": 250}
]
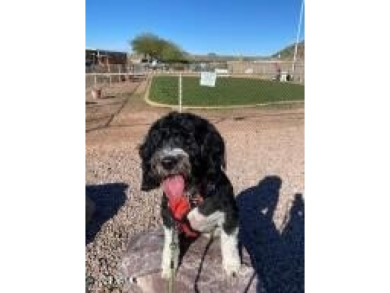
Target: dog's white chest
[{"x": 202, "y": 223}]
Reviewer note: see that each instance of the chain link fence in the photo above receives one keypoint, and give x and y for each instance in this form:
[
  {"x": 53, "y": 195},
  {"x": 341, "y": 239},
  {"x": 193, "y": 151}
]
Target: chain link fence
[
  {"x": 103, "y": 76},
  {"x": 241, "y": 84},
  {"x": 236, "y": 82}
]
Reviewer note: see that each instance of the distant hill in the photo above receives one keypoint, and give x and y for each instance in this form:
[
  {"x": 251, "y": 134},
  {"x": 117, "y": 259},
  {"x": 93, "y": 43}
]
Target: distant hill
[
  {"x": 285, "y": 54},
  {"x": 222, "y": 58},
  {"x": 288, "y": 52}
]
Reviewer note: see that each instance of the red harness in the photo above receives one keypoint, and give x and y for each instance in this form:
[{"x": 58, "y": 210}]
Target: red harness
[{"x": 179, "y": 207}]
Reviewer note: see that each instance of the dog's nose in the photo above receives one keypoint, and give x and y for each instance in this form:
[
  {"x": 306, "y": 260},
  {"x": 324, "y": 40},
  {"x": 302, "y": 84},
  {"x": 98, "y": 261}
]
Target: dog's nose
[{"x": 168, "y": 162}]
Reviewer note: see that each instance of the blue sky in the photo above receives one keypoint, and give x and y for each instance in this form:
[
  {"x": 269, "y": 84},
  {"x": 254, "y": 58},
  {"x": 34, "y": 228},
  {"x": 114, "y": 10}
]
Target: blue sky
[{"x": 248, "y": 27}]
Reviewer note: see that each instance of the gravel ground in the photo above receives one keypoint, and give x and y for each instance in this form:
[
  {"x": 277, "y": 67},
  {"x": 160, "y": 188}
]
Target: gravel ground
[{"x": 260, "y": 143}]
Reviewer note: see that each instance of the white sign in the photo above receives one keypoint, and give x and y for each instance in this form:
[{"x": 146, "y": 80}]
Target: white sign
[
  {"x": 283, "y": 76},
  {"x": 221, "y": 72},
  {"x": 208, "y": 79}
]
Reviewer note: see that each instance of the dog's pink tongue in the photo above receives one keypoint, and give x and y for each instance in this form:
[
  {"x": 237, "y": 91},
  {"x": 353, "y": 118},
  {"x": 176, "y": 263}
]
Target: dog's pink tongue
[{"x": 173, "y": 186}]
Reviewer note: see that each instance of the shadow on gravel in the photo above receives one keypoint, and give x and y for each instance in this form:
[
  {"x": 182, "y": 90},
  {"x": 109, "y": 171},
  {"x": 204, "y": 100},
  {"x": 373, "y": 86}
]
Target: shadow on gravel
[
  {"x": 278, "y": 257},
  {"x": 108, "y": 198}
]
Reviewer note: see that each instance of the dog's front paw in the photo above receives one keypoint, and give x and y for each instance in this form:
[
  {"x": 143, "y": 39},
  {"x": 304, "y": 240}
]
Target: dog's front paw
[
  {"x": 166, "y": 268},
  {"x": 168, "y": 257},
  {"x": 166, "y": 273},
  {"x": 232, "y": 266}
]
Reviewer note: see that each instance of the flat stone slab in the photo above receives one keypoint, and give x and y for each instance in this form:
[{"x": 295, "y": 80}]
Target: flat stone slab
[{"x": 200, "y": 269}]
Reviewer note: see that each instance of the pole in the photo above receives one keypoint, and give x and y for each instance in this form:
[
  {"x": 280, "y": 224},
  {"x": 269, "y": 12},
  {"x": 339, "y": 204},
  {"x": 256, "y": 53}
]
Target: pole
[
  {"x": 180, "y": 93},
  {"x": 296, "y": 42},
  {"x": 109, "y": 69}
]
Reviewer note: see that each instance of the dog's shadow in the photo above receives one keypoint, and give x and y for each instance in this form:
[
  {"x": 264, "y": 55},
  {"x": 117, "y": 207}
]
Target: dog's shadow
[
  {"x": 277, "y": 257},
  {"x": 108, "y": 198}
]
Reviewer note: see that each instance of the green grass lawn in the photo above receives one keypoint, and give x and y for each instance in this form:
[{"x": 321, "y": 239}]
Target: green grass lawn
[{"x": 227, "y": 91}]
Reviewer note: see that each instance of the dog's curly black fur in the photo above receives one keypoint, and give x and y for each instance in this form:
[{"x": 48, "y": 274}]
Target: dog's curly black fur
[
  {"x": 196, "y": 150},
  {"x": 195, "y": 135}
]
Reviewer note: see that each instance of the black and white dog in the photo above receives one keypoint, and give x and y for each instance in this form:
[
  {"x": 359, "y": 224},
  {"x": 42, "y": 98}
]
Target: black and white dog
[{"x": 189, "y": 148}]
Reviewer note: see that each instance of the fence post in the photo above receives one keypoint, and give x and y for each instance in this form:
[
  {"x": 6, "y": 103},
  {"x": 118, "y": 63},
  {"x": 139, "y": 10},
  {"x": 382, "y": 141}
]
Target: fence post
[
  {"x": 95, "y": 79},
  {"x": 296, "y": 42},
  {"x": 180, "y": 93},
  {"x": 109, "y": 71}
]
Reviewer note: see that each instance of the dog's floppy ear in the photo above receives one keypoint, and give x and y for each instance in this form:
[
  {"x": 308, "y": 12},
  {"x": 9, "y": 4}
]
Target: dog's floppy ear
[
  {"x": 146, "y": 150},
  {"x": 213, "y": 152},
  {"x": 148, "y": 181}
]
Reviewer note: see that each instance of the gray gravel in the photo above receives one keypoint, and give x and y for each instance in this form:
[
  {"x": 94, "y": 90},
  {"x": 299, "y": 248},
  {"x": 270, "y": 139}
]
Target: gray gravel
[{"x": 260, "y": 143}]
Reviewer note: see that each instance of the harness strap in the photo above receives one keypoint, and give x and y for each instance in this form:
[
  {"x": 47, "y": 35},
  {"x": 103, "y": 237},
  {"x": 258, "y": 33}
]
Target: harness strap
[{"x": 180, "y": 213}]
